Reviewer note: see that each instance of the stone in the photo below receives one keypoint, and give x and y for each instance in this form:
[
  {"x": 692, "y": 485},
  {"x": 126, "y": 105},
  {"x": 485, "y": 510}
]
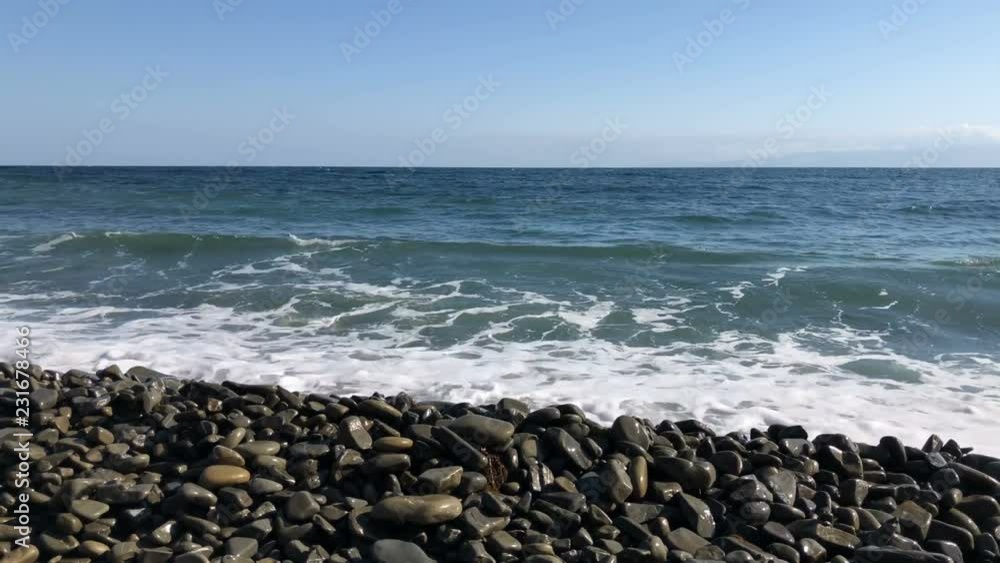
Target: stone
[
  {"x": 975, "y": 481},
  {"x": 253, "y": 449},
  {"x": 914, "y": 520},
  {"x": 482, "y": 430},
  {"x": 685, "y": 540},
  {"x": 88, "y": 510},
  {"x": 57, "y": 544},
  {"x": 100, "y": 436},
  {"x": 462, "y": 451},
  {"x": 853, "y": 492},
  {"x": 691, "y": 476},
  {"x": 221, "y": 455},
  {"x": 93, "y": 549},
  {"x": 393, "y": 444},
  {"x": 874, "y": 554},
  {"x": 354, "y": 435},
  {"x": 384, "y": 463},
  {"x": 836, "y": 541},
  {"x": 65, "y": 522},
  {"x": 301, "y": 507},
  {"x": 750, "y": 491},
  {"x": 474, "y": 524},
  {"x": 727, "y": 463},
  {"x": 979, "y": 507},
  {"x": 43, "y": 398},
  {"x": 396, "y": 551},
  {"x": 217, "y": 476},
  {"x": 776, "y": 532},
  {"x": 241, "y": 547},
  {"x": 946, "y": 548},
  {"x": 569, "y": 448},
  {"x": 638, "y": 474},
  {"x": 198, "y": 495},
  {"x": 784, "y": 552},
  {"x": 260, "y": 486},
  {"x": 628, "y": 429},
  {"x": 156, "y": 555},
  {"x": 439, "y": 480},
  {"x": 811, "y": 551},
  {"x": 697, "y": 515},
  {"x": 619, "y": 485},
  {"x": 419, "y": 510},
  {"x": 782, "y": 483},
  {"x": 501, "y": 542},
  {"x": 939, "y": 530},
  {"x": 755, "y": 513}
]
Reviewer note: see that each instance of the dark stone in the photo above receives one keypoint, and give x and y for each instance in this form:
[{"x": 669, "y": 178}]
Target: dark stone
[
  {"x": 697, "y": 515},
  {"x": 875, "y": 554},
  {"x": 628, "y": 429},
  {"x": 396, "y": 551}
]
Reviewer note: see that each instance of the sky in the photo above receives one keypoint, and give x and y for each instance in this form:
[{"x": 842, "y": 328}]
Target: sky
[{"x": 561, "y": 83}]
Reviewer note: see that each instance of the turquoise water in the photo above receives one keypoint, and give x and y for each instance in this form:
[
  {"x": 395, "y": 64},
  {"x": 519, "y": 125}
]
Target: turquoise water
[{"x": 835, "y": 297}]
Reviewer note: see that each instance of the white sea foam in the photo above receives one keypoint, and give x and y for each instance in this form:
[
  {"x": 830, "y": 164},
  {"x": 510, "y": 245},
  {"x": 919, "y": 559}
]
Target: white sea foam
[
  {"x": 737, "y": 291},
  {"x": 735, "y": 381},
  {"x": 883, "y": 307},
  {"x": 320, "y": 241},
  {"x": 775, "y": 277},
  {"x": 48, "y": 246}
]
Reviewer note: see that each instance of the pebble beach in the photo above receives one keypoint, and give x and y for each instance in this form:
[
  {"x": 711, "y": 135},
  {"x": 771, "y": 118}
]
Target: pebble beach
[{"x": 141, "y": 466}]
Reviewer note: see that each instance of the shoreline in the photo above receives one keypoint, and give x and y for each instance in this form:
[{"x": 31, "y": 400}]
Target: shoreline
[{"x": 146, "y": 467}]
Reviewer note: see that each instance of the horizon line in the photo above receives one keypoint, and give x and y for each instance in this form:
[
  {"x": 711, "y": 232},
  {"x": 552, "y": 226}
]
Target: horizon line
[{"x": 580, "y": 168}]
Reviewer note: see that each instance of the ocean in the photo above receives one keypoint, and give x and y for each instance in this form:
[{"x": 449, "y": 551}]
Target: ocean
[{"x": 862, "y": 301}]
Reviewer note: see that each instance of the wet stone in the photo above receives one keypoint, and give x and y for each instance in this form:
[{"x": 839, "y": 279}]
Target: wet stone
[
  {"x": 482, "y": 430},
  {"x": 216, "y": 476},
  {"x": 477, "y": 525},
  {"x": 252, "y": 473},
  {"x": 423, "y": 510},
  {"x": 697, "y": 515},
  {"x": 914, "y": 520},
  {"x": 638, "y": 473},
  {"x": 690, "y": 475},
  {"x": 569, "y": 447},
  {"x": 392, "y": 444},
  {"x": 354, "y": 435},
  {"x": 301, "y": 507},
  {"x": 628, "y": 429},
  {"x": 615, "y": 477},
  {"x": 88, "y": 510},
  {"x": 685, "y": 540},
  {"x": 439, "y": 480},
  {"x": 396, "y": 551},
  {"x": 198, "y": 495}
]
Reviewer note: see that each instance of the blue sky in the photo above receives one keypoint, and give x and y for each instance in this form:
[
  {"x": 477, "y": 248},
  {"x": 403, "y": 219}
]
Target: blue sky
[{"x": 682, "y": 83}]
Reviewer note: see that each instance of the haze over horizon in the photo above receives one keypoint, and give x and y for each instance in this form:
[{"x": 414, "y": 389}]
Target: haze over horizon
[{"x": 523, "y": 84}]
